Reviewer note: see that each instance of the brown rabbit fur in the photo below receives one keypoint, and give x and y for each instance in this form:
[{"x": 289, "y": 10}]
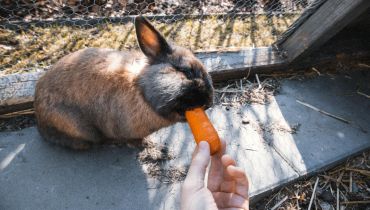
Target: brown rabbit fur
[{"x": 96, "y": 96}]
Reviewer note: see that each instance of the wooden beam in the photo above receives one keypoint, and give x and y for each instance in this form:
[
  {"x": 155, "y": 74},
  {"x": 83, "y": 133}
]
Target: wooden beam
[
  {"x": 233, "y": 65},
  {"x": 17, "y": 90},
  {"x": 328, "y": 20}
]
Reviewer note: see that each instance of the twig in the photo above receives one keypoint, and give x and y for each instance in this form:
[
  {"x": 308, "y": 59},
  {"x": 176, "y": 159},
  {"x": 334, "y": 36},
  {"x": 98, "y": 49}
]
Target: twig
[
  {"x": 344, "y": 186},
  {"x": 258, "y": 81},
  {"x": 5, "y": 47},
  {"x": 249, "y": 71},
  {"x": 297, "y": 203},
  {"x": 296, "y": 199},
  {"x": 273, "y": 197},
  {"x": 355, "y": 202},
  {"x": 222, "y": 96},
  {"x": 350, "y": 181},
  {"x": 17, "y": 113},
  {"x": 313, "y": 193},
  {"x": 225, "y": 88},
  {"x": 338, "y": 197},
  {"x": 227, "y": 104},
  {"x": 231, "y": 91},
  {"x": 363, "y": 65},
  {"x": 340, "y": 177},
  {"x": 364, "y": 172},
  {"x": 363, "y": 94},
  {"x": 279, "y": 203},
  {"x": 317, "y": 71},
  {"x": 344, "y": 196},
  {"x": 323, "y": 112}
]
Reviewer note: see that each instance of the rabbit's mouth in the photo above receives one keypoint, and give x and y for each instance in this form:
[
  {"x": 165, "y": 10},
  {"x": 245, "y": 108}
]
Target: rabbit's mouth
[
  {"x": 205, "y": 106},
  {"x": 193, "y": 98}
]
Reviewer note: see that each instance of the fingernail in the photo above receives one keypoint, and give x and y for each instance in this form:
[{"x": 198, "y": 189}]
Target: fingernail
[{"x": 203, "y": 145}]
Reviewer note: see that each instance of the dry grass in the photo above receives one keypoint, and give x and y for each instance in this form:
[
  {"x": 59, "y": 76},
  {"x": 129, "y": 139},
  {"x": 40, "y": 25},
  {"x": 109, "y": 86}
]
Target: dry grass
[
  {"x": 37, "y": 48},
  {"x": 260, "y": 88},
  {"x": 243, "y": 91},
  {"x": 346, "y": 186},
  {"x": 154, "y": 157}
]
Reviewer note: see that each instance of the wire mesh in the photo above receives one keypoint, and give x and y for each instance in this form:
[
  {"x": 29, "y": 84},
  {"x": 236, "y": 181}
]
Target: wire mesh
[{"x": 36, "y": 33}]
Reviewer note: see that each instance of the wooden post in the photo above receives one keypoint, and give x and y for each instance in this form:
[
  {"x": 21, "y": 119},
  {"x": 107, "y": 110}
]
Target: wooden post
[{"x": 328, "y": 20}]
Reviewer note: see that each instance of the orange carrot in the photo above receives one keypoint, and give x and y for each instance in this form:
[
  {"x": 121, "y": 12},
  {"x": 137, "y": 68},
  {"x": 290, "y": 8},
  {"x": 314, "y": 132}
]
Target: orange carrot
[{"x": 202, "y": 129}]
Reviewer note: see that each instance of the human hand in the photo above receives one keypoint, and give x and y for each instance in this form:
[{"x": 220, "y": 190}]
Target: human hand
[{"x": 227, "y": 185}]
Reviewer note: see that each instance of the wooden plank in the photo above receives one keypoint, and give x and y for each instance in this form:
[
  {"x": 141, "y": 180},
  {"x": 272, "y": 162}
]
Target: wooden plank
[
  {"x": 232, "y": 65},
  {"x": 321, "y": 140},
  {"x": 328, "y": 20},
  {"x": 17, "y": 90}
]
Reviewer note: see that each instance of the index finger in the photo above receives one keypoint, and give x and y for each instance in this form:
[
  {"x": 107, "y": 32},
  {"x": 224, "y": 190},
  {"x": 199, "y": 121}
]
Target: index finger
[{"x": 216, "y": 170}]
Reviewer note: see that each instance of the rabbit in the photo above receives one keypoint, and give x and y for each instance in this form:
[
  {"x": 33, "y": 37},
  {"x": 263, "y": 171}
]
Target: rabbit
[{"x": 98, "y": 96}]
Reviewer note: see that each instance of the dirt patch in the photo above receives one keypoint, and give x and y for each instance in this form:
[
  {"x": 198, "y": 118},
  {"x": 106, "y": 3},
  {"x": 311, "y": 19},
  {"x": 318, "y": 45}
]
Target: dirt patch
[
  {"x": 17, "y": 123},
  {"x": 270, "y": 128},
  {"x": 154, "y": 159}
]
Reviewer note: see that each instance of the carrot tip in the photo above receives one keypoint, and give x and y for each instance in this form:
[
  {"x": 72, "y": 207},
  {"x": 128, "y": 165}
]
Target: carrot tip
[{"x": 203, "y": 129}]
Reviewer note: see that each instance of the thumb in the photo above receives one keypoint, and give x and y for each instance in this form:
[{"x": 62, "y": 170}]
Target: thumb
[{"x": 198, "y": 166}]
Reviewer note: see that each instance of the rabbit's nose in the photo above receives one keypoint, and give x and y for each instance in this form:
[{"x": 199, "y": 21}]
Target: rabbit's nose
[{"x": 198, "y": 82}]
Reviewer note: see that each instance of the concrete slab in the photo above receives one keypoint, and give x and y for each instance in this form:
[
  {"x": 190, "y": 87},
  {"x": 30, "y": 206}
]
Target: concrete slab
[
  {"x": 321, "y": 139},
  {"x": 36, "y": 175},
  {"x": 244, "y": 143}
]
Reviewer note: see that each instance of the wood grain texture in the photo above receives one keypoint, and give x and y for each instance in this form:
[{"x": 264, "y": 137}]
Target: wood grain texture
[
  {"x": 233, "y": 65},
  {"x": 17, "y": 91},
  {"x": 328, "y": 20}
]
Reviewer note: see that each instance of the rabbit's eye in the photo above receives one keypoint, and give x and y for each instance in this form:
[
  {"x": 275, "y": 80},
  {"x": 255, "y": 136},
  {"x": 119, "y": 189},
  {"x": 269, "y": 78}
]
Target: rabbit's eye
[{"x": 189, "y": 72}]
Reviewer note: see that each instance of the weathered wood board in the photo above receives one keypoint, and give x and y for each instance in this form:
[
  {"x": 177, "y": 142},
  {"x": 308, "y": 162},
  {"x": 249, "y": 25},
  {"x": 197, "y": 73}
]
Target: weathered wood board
[
  {"x": 17, "y": 90},
  {"x": 34, "y": 174},
  {"x": 329, "y": 19}
]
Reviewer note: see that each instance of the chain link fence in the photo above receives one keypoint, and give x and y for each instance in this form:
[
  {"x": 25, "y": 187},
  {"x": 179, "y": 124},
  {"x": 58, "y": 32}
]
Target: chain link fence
[{"x": 36, "y": 33}]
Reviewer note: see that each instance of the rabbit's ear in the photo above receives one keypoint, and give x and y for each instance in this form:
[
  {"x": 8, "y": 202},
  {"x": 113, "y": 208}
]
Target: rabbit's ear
[{"x": 151, "y": 42}]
